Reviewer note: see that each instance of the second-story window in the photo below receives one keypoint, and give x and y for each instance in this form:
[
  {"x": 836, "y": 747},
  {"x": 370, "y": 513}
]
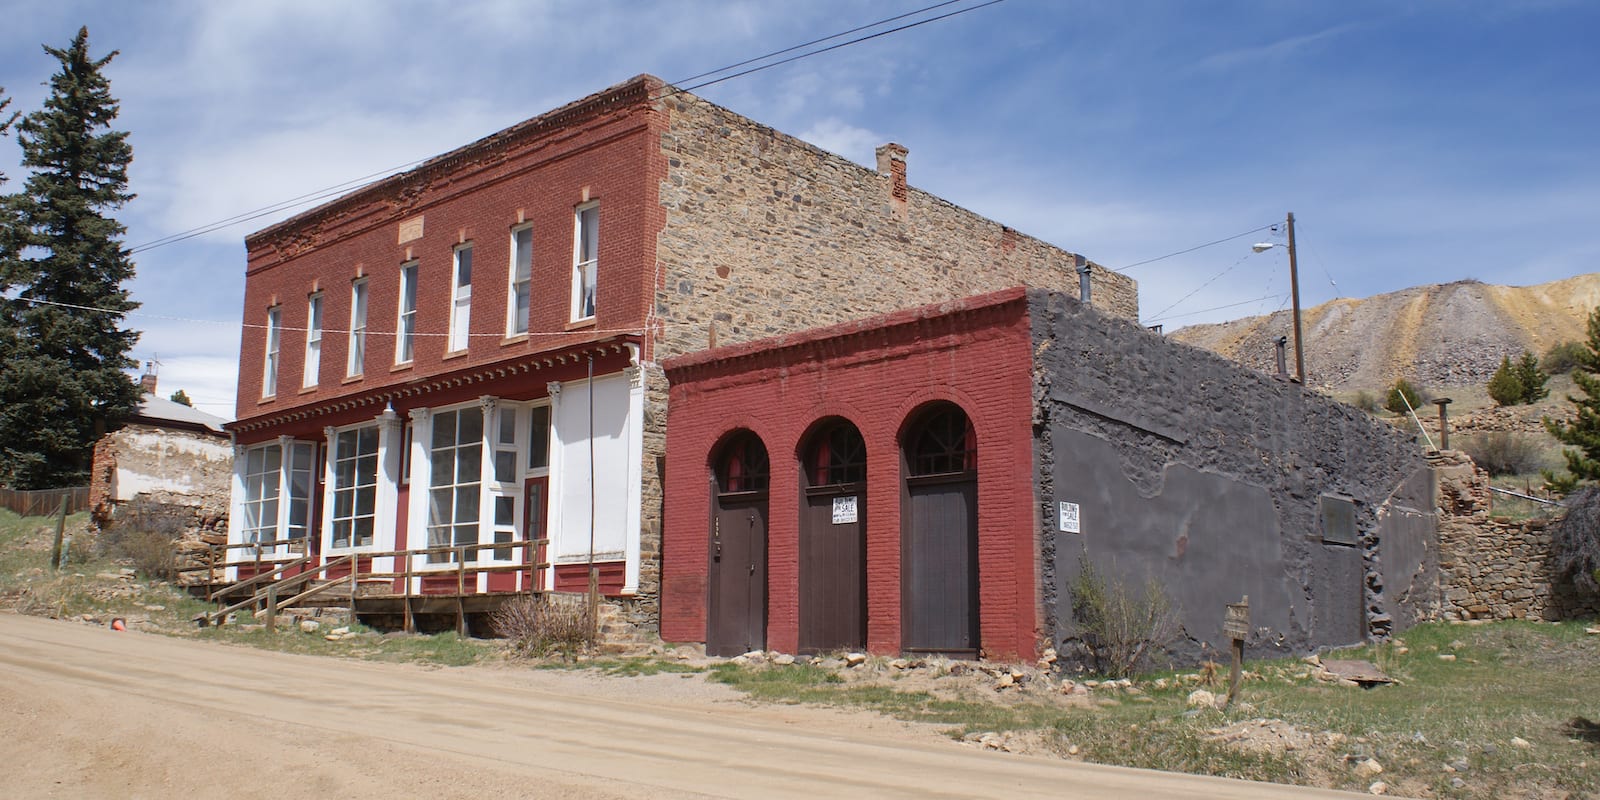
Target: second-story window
[
  {"x": 461, "y": 299},
  {"x": 355, "y": 363},
  {"x": 269, "y": 370},
  {"x": 406, "y": 331},
  {"x": 585, "y": 262},
  {"x": 521, "y": 281},
  {"x": 313, "y": 341}
]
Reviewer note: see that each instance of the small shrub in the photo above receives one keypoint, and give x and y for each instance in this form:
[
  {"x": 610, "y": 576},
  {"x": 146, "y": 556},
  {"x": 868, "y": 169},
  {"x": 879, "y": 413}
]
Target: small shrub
[
  {"x": 1563, "y": 357},
  {"x": 1504, "y": 453},
  {"x": 540, "y": 626},
  {"x": 1506, "y": 388},
  {"x": 1120, "y": 630},
  {"x": 1575, "y": 542},
  {"x": 1366, "y": 401},
  {"x": 146, "y": 534},
  {"x": 1403, "y": 388}
]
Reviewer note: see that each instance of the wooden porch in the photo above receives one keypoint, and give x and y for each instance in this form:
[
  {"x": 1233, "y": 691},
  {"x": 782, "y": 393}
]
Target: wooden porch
[{"x": 429, "y": 583}]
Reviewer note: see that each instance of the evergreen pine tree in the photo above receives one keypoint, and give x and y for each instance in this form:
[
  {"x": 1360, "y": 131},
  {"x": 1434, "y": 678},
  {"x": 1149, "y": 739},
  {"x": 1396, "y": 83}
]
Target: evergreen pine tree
[
  {"x": 1505, "y": 388},
  {"x": 1583, "y": 431},
  {"x": 1532, "y": 377},
  {"x": 61, "y": 366}
]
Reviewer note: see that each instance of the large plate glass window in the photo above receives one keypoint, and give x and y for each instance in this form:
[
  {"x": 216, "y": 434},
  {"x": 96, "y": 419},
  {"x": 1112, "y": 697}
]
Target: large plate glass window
[
  {"x": 355, "y": 486},
  {"x": 455, "y": 476}
]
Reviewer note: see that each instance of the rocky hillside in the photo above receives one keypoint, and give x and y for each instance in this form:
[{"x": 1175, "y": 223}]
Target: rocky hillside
[{"x": 1441, "y": 335}]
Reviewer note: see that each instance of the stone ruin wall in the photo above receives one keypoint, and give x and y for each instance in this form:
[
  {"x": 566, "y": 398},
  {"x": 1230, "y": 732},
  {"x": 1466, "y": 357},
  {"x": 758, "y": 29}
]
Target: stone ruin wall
[
  {"x": 165, "y": 479},
  {"x": 1493, "y": 567}
]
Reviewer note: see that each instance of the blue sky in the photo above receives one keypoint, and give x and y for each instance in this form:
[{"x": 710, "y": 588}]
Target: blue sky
[{"x": 1416, "y": 142}]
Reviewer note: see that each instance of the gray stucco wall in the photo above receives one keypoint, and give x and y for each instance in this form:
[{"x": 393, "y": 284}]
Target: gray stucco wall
[{"x": 1207, "y": 478}]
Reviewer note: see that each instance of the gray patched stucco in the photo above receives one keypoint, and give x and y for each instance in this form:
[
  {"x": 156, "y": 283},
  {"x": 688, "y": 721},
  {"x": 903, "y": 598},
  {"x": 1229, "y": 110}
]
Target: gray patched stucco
[{"x": 1207, "y": 478}]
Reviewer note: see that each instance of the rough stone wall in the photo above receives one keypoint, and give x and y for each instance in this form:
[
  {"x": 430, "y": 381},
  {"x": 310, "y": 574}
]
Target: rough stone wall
[
  {"x": 165, "y": 480},
  {"x": 768, "y": 235},
  {"x": 179, "y": 468},
  {"x": 1492, "y": 567},
  {"x": 1207, "y": 478}
]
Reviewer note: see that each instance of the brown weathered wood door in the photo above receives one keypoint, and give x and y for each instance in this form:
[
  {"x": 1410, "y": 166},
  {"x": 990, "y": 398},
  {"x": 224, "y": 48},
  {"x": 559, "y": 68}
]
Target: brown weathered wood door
[
  {"x": 736, "y": 613},
  {"x": 941, "y": 567},
  {"x": 833, "y": 542},
  {"x": 939, "y": 541}
]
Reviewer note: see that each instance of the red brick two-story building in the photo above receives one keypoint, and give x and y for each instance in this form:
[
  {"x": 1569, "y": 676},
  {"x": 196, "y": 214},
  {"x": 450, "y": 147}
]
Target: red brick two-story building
[{"x": 465, "y": 355}]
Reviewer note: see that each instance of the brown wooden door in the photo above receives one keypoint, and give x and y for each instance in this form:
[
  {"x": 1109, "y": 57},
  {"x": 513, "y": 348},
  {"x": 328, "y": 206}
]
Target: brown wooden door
[
  {"x": 736, "y": 621},
  {"x": 940, "y": 563},
  {"x": 833, "y": 575},
  {"x": 534, "y": 490}
]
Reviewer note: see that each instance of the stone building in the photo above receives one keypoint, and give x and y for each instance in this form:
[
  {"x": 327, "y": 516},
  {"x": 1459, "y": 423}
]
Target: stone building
[
  {"x": 167, "y": 453},
  {"x": 168, "y": 461},
  {"x": 466, "y": 355},
  {"x": 933, "y": 480}
]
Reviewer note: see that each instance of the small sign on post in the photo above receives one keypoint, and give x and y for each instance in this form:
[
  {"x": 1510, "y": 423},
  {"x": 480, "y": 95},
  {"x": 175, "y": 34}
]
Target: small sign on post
[{"x": 1236, "y": 626}]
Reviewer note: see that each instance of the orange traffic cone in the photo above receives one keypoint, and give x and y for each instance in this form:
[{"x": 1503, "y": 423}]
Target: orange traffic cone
[{"x": 118, "y": 625}]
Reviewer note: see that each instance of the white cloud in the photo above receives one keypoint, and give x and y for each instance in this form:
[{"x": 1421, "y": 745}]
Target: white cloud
[{"x": 837, "y": 136}]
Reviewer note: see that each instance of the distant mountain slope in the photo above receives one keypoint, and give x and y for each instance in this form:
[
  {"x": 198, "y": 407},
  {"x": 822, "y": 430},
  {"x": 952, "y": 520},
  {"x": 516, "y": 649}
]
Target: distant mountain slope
[{"x": 1442, "y": 335}]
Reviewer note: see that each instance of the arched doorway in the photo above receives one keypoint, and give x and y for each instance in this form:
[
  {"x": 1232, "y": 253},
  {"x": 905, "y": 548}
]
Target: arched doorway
[
  {"x": 939, "y": 544},
  {"x": 736, "y": 613},
  {"x": 833, "y": 543}
]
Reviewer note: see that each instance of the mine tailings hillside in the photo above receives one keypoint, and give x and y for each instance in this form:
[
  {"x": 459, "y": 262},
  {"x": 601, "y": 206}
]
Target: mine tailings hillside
[{"x": 1452, "y": 334}]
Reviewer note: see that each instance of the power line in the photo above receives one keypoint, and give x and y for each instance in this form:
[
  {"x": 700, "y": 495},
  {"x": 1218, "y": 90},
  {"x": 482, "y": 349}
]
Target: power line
[
  {"x": 1192, "y": 249},
  {"x": 1197, "y": 289},
  {"x": 816, "y": 41},
  {"x": 1215, "y": 308},
  {"x": 366, "y": 180},
  {"x": 275, "y": 207},
  {"x": 831, "y": 47}
]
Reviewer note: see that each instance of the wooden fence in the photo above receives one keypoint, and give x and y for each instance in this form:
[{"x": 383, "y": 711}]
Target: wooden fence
[{"x": 44, "y": 502}]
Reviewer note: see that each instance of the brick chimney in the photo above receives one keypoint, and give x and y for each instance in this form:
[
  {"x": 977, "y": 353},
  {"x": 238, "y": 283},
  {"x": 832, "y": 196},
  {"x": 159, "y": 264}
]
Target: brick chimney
[
  {"x": 147, "y": 381},
  {"x": 892, "y": 163}
]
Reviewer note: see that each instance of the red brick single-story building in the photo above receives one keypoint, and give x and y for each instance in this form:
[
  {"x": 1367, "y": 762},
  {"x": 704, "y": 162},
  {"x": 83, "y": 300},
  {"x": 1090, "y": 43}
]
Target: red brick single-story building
[
  {"x": 934, "y": 479},
  {"x": 855, "y": 555}
]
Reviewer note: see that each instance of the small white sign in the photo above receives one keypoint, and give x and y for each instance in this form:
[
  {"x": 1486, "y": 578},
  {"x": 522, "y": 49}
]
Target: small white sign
[
  {"x": 844, "y": 510},
  {"x": 1069, "y": 517}
]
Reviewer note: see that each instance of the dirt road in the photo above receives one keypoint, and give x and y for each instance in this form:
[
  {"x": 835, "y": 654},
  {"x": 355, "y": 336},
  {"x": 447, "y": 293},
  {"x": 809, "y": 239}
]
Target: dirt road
[{"x": 88, "y": 712}]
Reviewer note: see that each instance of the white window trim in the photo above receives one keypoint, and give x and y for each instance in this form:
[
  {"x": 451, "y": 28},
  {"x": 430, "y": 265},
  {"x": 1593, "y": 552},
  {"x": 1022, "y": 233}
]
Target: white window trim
[
  {"x": 313, "y": 360},
  {"x": 269, "y": 363},
  {"x": 356, "y": 355},
  {"x": 585, "y": 272},
  {"x": 331, "y": 489},
  {"x": 459, "y": 336},
  {"x": 422, "y": 482},
  {"x": 517, "y": 325},
  {"x": 405, "y": 341},
  {"x": 287, "y": 446}
]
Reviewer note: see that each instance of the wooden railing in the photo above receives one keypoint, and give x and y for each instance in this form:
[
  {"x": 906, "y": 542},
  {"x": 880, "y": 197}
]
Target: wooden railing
[
  {"x": 269, "y": 585},
  {"x": 45, "y": 502}
]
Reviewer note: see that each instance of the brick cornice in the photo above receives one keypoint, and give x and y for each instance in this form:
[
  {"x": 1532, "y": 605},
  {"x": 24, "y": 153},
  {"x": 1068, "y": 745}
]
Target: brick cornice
[
  {"x": 912, "y": 324},
  {"x": 379, "y": 396}
]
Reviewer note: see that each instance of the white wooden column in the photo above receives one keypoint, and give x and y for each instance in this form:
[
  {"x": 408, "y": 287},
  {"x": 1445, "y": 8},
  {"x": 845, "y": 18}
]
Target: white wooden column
[
  {"x": 285, "y": 481},
  {"x": 391, "y": 436},
  {"x": 235, "y": 513},
  {"x": 417, "y": 508},
  {"x": 330, "y": 438},
  {"x": 485, "y": 476}
]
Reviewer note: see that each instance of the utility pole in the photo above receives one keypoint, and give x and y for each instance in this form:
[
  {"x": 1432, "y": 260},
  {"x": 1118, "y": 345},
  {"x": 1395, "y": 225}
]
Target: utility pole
[{"x": 1294, "y": 289}]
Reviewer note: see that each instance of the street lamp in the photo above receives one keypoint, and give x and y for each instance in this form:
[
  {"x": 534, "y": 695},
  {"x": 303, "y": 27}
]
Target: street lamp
[{"x": 1294, "y": 290}]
